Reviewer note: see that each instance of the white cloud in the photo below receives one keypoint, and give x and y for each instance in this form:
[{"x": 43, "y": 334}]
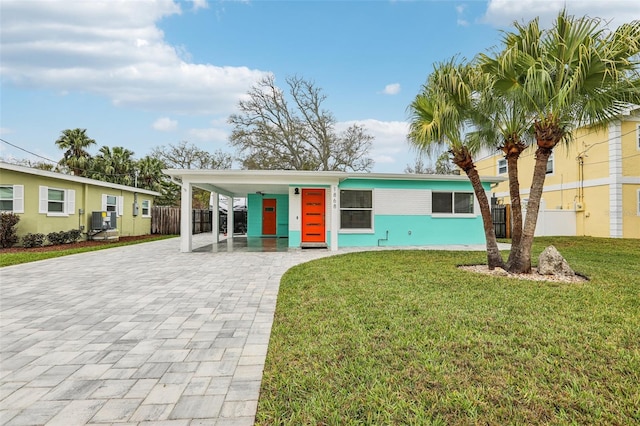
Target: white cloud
[
  {"x": 165, "y": 124},
  {"x": 211, "y": 134},
  {"x": 460, "y": 10},
  {"x": 505, "y": 12},
  {"x": 391, "y": 89},
  {"x": 390, "y": 144},
  {"x": 200, "y": 4},
  {"x": 218, "y": 132},
  {"x": 113, "y": 49}
]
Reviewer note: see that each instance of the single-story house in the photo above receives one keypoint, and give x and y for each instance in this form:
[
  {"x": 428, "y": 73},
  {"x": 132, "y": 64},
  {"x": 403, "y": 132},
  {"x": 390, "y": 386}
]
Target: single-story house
[
  {"x": 49, "y": 202},
  {"x": 340, "y": 209}
]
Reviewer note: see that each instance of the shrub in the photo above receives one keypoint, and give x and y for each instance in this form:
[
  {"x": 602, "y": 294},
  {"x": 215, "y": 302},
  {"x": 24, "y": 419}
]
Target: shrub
[
  {"x": 73, "y": 235},
  {"x": 8, "y": 233},
  {"x": 33, "y": 240},
  {"x": 64, "y": 237},
  {"x": 56, "y": 238}
]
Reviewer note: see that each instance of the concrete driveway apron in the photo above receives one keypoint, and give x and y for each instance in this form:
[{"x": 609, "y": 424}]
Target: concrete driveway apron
[{"x": 140, "y": 334}]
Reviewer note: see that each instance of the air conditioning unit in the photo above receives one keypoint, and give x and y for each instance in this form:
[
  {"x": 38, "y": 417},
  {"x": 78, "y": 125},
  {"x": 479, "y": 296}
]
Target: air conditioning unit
[{"x": 103, "y": 221}]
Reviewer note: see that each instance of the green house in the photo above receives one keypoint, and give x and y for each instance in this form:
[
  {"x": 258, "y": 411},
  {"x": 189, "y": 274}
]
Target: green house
[{"x": 52, "y": 202}]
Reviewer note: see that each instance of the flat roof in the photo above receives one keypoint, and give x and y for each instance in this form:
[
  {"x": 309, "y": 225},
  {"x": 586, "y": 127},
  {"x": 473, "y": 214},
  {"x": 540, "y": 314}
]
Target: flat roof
[{"x": 233, "y": 182}]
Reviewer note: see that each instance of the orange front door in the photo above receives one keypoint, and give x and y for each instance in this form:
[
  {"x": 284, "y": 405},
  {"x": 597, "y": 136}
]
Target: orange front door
[
  {"x": 313, "y": 228},
  {"x": 269, "y": 216}
]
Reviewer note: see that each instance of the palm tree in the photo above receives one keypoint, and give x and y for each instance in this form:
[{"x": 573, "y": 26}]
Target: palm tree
[
  {"x": 149, "y": 171},
  {"x": 502, "y": 119},
  {"x": 575, "y": 74},
  {"x": 76, "y": 157},
  {"x": 114, "y": 165},
  {"x": 438, "y": 116}
]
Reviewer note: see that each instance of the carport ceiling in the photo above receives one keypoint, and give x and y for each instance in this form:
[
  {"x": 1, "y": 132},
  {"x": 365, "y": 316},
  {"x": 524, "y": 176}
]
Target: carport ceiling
[
  {"x": 243, "y": 189},
  {"x": 240, "y": 183}
]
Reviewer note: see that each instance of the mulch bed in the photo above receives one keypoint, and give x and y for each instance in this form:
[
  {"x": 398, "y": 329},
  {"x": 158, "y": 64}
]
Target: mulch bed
[{"x": 78, "y": 244}]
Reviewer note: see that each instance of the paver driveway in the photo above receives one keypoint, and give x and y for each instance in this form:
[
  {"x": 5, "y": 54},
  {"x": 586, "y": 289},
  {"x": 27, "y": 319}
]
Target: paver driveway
[{"x": 138, "y": 334}]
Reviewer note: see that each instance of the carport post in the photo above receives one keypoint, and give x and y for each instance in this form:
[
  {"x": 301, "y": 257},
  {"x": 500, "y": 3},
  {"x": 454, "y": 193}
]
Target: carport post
[
  {"x": 215, "y": 220},
  {"x": 230, "y": 224},
  {"x": 186, "y": 205}
]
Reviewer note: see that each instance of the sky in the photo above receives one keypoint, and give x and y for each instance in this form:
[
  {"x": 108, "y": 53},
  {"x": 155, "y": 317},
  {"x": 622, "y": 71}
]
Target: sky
[{"x": 148, "y": 73}]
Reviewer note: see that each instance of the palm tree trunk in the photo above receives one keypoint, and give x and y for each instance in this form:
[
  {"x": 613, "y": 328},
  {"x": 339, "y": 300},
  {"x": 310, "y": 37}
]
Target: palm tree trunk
[
  {"x": 516, "y": 207},
  {"x": 522, "y": 258},
  {"x": 494, "y": 258}
]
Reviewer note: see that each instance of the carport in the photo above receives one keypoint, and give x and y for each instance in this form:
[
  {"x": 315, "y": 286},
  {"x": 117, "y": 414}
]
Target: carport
[{"x": 245, "y": 183}]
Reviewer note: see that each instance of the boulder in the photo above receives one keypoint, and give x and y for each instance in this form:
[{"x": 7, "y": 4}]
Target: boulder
[{"x": 551, "y": 262}]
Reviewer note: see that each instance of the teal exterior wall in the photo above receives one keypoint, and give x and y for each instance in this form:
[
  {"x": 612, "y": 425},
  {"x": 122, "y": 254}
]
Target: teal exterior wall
[
  {"x": 417, "y": 231},
  {"x": 295, "y": 238},
  {"x": 388, "y": 229},
  {"x": 254, "y": 214},
  {"x": 414, "y": 230}
]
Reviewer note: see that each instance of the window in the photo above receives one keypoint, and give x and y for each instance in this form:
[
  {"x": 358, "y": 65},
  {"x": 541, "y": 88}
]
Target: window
[
  {"x": 12, "y": 198},
  {"x": 452, "y": 202},
  {"x": 112, "y": 203},
  {"x": 550, "y": 164},
  {"x": 638, "y": 202},
  {"x": 146, "y": 211},
  {"x": 638, "y": 136},
  {"x": 502, "y": 166},
  {"x": 356, "y": 209},
  {"x": 57, "y": 201}
]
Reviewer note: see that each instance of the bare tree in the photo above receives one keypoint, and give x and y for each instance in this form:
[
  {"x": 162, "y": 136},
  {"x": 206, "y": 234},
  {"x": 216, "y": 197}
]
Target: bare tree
[
  {"x": 270, "y": 133},
  {"x": 443, "y": 166},
  {"x": 186, "y": 155}
]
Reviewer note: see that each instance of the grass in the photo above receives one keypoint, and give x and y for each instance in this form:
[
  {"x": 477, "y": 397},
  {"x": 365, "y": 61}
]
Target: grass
[
  {"x": 8, "y": 259},
  {"x": 404, "y": 337}
]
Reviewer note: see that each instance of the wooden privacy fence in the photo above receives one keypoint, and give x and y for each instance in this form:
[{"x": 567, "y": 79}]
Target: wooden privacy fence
[{"x": 166, "y": 220}]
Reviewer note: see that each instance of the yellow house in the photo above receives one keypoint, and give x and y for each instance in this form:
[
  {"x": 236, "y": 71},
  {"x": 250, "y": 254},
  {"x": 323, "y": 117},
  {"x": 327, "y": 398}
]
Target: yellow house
[
  {"x": 596, "y": 178},
  {"x": 51, "y": 202}
]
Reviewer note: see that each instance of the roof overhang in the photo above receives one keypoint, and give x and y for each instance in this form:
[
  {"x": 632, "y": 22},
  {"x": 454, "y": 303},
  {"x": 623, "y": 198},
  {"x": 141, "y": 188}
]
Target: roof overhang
[
  {"x": 72, "y": 178},
  {"x": 239, "y": 183}
]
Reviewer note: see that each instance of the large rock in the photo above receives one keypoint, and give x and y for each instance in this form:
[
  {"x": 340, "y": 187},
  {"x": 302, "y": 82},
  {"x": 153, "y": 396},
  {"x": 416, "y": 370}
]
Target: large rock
[{"x": 551, "y": 262}]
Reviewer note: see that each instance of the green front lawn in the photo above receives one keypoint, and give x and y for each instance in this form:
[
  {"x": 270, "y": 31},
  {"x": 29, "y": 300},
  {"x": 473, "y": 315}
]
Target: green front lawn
[
  {"x": 404, "y": 337},
  {"x": 32, "y": 255}
]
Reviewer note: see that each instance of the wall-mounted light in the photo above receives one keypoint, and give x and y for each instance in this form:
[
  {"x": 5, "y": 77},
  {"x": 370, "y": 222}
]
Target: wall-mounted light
[
  {"x": 296, "y": 191},
  {"x": 260, "y": 193}
]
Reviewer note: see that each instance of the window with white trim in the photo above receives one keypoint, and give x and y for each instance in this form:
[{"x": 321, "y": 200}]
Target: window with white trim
[
  {"x": 12, "y": 198},
  {"x": 452, "y": 202},
  {"x": 56, "y": 201},
  {"x": 113, "y": 203},
  {"x": 550, "y": 164},
  {"x": 638, "y": 137},
  {"x": 502, "y": 166},
  {"x": 356, "y": 209},
  {"x": 146, "y": 210}
]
